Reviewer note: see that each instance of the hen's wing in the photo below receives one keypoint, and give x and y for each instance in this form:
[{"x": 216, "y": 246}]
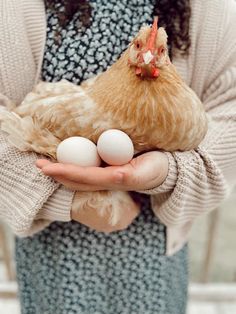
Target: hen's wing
[{"x": 49, "y": 114}]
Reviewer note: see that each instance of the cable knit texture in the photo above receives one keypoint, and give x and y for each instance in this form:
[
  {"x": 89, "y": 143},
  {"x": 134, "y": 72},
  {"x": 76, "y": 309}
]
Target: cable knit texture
[
  {"x": 25, "y": 193},
  {"x": 197, "y": 181}
]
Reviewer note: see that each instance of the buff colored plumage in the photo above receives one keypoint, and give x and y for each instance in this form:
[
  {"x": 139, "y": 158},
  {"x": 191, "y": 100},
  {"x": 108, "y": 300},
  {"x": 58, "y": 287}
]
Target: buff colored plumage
[{"x": 141, "y": 94}]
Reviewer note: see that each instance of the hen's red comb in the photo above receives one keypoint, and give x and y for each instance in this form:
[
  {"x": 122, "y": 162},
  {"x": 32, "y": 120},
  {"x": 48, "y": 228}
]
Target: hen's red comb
[{"x": 153, "y": 34}]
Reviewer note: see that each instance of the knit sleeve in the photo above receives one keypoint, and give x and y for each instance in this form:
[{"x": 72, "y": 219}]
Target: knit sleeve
[
  {"x": 200, "y": 179},
  {"x": 29, "y": 200}
]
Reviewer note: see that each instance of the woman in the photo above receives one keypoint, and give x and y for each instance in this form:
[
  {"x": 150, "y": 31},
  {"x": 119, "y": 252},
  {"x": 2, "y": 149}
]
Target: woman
[{"x": 141, "y": 267}]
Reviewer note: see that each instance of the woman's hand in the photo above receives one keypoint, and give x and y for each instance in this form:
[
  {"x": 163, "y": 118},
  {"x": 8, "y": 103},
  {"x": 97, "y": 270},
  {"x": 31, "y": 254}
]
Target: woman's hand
[{"x": 144, "y": 172}]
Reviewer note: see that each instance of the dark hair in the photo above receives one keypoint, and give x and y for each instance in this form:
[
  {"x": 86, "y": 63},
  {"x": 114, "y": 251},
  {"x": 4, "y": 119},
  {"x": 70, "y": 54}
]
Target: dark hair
[
  {"x": 71, "y": 7},
  {"x": 174, "y": 15}
]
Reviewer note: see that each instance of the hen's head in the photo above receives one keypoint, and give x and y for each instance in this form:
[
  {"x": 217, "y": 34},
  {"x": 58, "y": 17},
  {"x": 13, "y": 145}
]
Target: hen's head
[{"x": 148, "y": 51}]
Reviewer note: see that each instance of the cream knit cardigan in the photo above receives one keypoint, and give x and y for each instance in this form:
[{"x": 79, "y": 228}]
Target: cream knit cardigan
[{"x": 198, "y": 180}]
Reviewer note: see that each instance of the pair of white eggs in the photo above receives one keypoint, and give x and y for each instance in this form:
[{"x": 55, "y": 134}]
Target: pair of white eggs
[{"x": 114, "y": 147}]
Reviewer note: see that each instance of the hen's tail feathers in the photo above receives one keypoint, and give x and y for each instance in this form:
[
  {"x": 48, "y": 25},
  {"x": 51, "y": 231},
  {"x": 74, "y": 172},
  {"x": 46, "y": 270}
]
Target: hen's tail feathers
[{"x": 26, "y": 134}]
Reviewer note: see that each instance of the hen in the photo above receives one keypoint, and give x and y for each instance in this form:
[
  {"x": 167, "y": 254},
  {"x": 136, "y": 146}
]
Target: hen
[{"x": 141, "y": 94}]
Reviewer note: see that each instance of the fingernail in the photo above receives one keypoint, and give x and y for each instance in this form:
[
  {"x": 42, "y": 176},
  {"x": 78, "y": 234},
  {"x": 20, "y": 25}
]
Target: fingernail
[
  {"x": 42, "y": 162},
  {"x": 38, "y": 164}
]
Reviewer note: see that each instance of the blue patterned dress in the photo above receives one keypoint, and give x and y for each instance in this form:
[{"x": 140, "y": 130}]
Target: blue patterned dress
[{"x": 68, "y": 268}]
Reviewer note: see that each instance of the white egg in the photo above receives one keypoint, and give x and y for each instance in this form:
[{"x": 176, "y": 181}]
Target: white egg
[
  {"x": 79, "y": 151},
  {"x": 115, "y": 147}
]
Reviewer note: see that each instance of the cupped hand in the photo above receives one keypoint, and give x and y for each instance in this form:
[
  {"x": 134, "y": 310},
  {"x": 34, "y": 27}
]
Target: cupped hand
[{"x": 143, "y": 172}]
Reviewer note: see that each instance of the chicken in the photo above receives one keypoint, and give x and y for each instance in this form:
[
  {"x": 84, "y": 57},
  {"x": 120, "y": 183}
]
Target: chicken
[{"x": 141, "y": 94}]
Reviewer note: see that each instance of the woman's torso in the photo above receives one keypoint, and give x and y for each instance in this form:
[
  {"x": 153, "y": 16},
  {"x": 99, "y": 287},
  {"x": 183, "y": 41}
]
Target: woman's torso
[{"x": 69, "y": 268}]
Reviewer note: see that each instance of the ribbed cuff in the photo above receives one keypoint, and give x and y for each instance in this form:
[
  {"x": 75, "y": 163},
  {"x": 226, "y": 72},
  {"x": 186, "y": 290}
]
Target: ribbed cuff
[
  {"x": 170, "y": 181},
  {"x": 58, "y": 206}
]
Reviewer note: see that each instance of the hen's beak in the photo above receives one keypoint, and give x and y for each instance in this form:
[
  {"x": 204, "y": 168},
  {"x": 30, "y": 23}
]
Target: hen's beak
[{"x": 148, "y": 57}]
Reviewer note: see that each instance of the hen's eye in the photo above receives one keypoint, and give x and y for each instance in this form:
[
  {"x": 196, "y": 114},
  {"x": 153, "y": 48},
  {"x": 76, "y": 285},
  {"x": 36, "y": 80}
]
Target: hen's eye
[
  {"x": 138, "y": 45},
  {"x": 161, "y": 50}
]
